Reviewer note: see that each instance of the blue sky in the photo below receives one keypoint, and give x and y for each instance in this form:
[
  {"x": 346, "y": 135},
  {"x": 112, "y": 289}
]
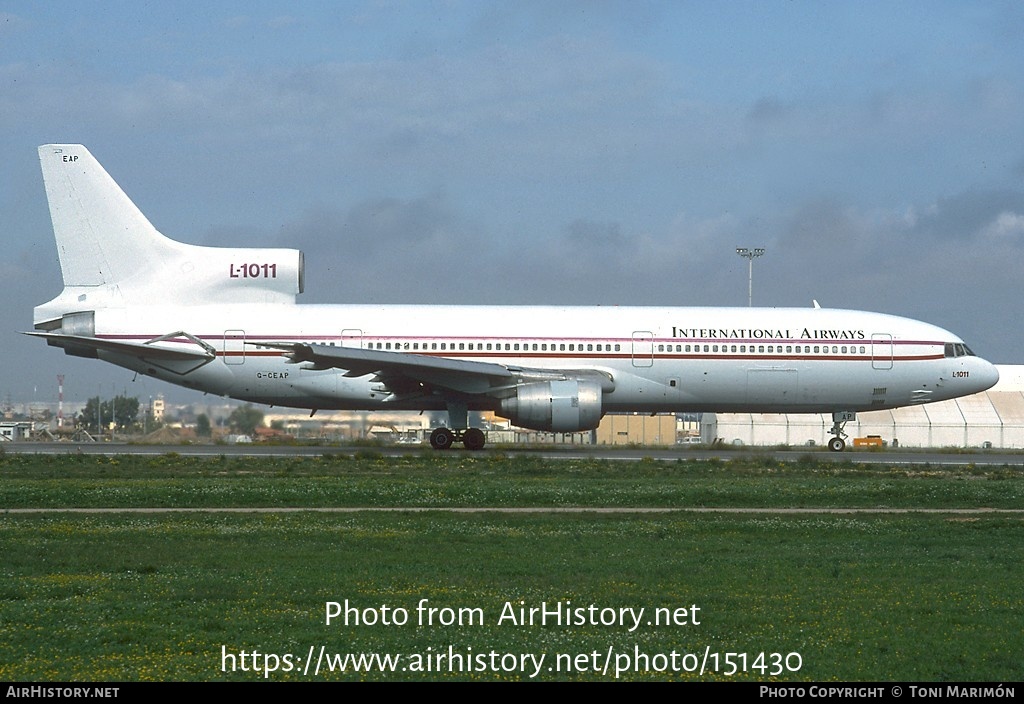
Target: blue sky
[{"x": 537, "y": 152}]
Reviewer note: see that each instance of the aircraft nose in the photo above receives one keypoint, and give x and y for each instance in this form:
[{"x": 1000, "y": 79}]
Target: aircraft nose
[{"x": 985, "y": 375}]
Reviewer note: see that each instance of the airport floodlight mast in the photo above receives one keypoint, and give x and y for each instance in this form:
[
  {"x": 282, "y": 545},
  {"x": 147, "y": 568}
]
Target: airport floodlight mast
[{"x": 750, "y": 254}]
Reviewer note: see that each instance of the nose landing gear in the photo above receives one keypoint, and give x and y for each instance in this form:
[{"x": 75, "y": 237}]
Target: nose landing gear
[{"x": 839, "y": 420}]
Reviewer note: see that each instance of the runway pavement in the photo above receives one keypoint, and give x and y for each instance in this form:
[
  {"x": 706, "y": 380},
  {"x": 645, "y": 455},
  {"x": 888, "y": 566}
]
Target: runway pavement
[{"x": 903, "y": 456}]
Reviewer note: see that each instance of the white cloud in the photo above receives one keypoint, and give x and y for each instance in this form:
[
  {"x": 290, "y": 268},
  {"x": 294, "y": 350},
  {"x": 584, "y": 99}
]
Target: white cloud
[{"x": 1006, "y": 226}]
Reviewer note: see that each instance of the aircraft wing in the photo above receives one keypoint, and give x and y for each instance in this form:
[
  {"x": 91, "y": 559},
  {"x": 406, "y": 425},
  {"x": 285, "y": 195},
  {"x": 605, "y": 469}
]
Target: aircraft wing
[{"x": 401, "y": 371}]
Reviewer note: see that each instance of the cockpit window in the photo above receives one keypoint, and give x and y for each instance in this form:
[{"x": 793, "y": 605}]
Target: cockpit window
[{"x": 957, "y": 349}]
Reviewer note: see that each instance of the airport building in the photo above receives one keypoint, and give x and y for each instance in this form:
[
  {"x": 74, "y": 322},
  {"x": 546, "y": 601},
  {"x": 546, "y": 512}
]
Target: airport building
[{"x": 637, "y": 429}]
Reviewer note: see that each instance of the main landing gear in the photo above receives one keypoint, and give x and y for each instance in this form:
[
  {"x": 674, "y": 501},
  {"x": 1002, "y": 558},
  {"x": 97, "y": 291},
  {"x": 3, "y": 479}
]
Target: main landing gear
[
  {"x": 839, "y": 419},
  {"x": 444, "y": 438},
  {"x": 458, "y": 416}
]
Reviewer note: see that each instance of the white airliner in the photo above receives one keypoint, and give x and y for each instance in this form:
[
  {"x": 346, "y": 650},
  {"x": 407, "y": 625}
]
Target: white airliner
[{"x": 225, "y": 321}]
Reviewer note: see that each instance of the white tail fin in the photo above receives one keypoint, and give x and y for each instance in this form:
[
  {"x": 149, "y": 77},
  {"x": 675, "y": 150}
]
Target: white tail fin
[
  {"x": 102, "y": 238},
  {"x": 111, "y": 255}
]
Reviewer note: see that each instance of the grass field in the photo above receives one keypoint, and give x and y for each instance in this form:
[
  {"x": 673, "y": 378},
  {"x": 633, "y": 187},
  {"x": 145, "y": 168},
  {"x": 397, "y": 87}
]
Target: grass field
[{"x": 181, "y": 596}]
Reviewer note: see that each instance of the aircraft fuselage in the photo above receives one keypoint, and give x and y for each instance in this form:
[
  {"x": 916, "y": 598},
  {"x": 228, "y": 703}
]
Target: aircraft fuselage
[{"x": 658, "y": 359}]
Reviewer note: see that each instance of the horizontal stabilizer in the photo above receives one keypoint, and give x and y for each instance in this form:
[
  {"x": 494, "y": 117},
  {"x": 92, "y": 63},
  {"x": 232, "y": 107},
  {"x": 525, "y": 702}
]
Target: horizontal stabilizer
[{"x": 143, "y": 350}]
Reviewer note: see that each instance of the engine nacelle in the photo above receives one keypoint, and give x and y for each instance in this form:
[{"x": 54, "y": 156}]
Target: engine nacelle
[{"x": 558, "y": 406}]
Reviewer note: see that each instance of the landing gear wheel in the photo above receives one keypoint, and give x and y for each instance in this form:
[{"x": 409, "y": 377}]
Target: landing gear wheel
[
  {"x": 473, "y": 439},
  {"x": 441, "y": 439},
  {"x": 839, "y": 421}
]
